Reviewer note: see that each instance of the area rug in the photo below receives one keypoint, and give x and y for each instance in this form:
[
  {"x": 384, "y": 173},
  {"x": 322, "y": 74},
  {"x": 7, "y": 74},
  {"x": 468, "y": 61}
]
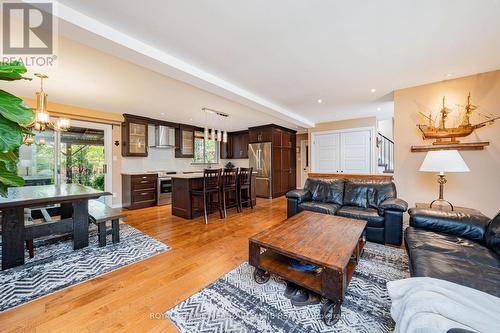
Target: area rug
[
  {"x": 56, "y": 266},
  {"x": 235, "y": 303}
]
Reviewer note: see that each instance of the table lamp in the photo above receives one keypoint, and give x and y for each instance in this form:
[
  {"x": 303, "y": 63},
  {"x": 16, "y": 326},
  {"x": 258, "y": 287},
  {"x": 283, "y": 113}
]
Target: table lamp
[{"x": 442, "y": 161}]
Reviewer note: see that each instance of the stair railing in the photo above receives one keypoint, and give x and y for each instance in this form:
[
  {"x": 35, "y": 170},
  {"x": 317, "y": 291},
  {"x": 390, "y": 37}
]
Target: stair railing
[{"x": 385, "y": 153}]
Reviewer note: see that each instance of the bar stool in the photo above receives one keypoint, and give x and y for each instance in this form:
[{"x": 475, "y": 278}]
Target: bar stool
[
  {"x": 245, "y": 184},
  {"x": 211, "y": 186},
  {"x": 230, "y": 184}
]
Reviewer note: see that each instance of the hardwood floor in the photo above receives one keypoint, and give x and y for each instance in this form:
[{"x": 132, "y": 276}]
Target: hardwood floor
[{"x": 134, "y": 298}]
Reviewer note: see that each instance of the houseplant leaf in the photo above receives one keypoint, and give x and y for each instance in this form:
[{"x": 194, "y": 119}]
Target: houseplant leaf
[
  {"x": 12, "y": 71},
  {"x": 9, "y": 156},
  {"x": 13, "y": 108},
  {"x": 10, "y": 135}
]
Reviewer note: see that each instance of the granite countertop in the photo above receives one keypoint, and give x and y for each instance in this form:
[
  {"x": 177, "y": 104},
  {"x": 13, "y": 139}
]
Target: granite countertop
[{"x": 132, "y": 173}]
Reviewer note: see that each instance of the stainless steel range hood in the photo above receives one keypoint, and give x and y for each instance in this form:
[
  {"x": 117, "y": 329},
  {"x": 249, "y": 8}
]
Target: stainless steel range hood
[{"x": 164, "y": 137}]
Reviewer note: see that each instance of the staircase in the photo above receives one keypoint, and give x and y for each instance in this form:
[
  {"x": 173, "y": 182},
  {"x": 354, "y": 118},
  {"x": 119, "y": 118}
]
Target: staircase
[{"x": 385, "y": 153}]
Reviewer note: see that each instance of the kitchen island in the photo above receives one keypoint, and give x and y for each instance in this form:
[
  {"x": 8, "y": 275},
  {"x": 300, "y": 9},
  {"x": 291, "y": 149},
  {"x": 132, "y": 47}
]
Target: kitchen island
[{"x": 184, "y": 206}]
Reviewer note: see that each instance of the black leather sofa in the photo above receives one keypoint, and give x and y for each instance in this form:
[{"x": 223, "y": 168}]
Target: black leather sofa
[
  {"x": 370, "y": 200},
  {"x": 455, "y": 246}
]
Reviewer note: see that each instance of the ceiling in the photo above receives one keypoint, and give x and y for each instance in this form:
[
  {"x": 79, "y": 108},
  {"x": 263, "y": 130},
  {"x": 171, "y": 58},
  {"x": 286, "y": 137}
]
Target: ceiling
[{"x": 281, "y": 56}]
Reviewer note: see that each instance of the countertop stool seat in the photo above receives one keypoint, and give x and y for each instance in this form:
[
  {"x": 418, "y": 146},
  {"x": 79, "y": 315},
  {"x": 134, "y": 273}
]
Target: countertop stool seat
[
  {"x": 245, "y": 184},
  {"x": 230, "y": 185},
  {"x": 211, "y": 188}
]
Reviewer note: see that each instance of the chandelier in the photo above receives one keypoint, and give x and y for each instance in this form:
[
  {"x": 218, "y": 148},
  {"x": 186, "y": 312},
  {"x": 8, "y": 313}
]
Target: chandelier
[
  {"x": 213, "y": 134},
  {"x": 42, "y": 119}
]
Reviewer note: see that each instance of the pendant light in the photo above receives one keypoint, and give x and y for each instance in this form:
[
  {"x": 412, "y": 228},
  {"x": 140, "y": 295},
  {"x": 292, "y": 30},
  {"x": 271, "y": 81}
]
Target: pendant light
[{"x": 41, "y": 120}]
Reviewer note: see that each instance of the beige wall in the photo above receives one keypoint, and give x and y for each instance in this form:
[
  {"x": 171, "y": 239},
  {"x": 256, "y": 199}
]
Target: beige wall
[{"x": 479, "y": 188}]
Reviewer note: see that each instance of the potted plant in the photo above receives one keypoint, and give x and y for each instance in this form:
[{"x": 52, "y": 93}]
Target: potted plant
[{"x": 14, "y": 116}]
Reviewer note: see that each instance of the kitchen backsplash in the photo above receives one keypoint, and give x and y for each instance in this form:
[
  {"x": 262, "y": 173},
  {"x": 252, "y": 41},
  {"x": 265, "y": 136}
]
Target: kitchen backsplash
[{"x": 164, "y": 159}]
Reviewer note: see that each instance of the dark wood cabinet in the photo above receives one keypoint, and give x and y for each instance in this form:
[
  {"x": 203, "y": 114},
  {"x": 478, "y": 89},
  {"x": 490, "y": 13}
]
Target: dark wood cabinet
[
  {"x": 139, "y": 190},
  {"x": 260, "y": 134},
  {"x": 236, "y": 146},
  {"x": 184, "y": 141},
  {"x": 134, "y": 137},
  {"x": 283, "y": 159}
]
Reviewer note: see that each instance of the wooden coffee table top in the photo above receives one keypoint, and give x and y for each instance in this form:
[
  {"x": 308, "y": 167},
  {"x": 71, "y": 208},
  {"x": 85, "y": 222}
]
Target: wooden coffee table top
[{"x": 320, "y": 239}]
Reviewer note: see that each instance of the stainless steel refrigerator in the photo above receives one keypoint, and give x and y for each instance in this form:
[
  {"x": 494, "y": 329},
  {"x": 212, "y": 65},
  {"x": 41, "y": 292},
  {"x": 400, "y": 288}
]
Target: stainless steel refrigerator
[{"x": 260, "y": 160}]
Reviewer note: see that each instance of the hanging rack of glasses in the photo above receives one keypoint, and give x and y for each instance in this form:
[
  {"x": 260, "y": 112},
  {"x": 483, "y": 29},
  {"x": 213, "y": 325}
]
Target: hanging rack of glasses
[{"x": 213, "y": 117}]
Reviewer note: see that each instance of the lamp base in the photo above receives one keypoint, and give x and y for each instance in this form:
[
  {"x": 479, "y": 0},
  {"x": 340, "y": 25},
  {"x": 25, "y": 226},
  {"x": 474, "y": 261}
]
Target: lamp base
[
  {"x": 441, "y": 182},
  {"x": 443, "y": 201}
]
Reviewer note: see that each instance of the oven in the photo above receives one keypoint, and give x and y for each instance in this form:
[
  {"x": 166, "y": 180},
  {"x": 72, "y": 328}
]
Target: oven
[{"x": 164, "y": 191}]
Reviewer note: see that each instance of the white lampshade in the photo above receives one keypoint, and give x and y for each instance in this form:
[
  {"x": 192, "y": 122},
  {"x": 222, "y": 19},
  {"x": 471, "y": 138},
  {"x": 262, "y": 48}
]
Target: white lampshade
[{"x": 444, "y": 161}]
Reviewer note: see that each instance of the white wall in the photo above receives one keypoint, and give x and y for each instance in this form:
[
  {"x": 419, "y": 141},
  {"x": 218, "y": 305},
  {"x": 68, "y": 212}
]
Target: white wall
[{"x": 386, "y": 127}]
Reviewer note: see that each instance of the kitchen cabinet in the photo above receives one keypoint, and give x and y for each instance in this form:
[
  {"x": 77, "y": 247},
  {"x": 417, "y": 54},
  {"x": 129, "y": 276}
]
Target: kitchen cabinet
[
  {"x": 184, "y": 141},
  {"x": 236, "y": 146},
  {"x": 283, "y": 157},
  {"x": 260, "y": 134},
  {"x": 139, "y": 190},
  {"x": 134, "y": 137}
]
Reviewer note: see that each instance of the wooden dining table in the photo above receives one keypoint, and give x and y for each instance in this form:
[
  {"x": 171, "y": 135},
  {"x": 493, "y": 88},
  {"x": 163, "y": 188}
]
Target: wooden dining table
[{"x": 69, "y": 201}]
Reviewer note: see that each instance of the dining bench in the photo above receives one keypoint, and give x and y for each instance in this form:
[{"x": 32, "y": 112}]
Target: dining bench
[{"x": 99, "y": 214}]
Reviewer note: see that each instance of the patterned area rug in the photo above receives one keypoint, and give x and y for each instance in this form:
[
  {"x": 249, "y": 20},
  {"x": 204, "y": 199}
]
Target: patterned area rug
[
  {"x": 235, "y": 303},
  {"x": 56, "y": 266}
]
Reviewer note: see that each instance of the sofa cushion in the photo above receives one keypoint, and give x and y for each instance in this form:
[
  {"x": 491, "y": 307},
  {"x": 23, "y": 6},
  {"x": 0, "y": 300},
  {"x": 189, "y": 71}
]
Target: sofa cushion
[
  {"x": 381, "y": 192},
  {"x": 454, "y": 259},
  {"x": 320, "y": 207},
  {"x": 492, "y": 236},
  {"x": 368, "y": 214},
  {"x": 326, "y": 190},
  {"x": 356, "y": 194},
  {"x": 470, "y": 226}
]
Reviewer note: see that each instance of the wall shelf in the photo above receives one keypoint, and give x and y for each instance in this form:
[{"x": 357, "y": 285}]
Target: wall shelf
[{"x": 455, "y": 146}]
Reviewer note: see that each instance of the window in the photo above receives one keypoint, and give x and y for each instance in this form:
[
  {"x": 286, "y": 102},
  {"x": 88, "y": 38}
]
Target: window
[{"x": 205, "y": 151}]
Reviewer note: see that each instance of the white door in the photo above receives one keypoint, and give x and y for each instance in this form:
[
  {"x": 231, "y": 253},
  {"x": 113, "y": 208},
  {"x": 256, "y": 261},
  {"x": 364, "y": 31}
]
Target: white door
[
  {"x": 326, "y": 153},
  {"x": 304, "y": 162},
  {"x": 356, "y": 152}
]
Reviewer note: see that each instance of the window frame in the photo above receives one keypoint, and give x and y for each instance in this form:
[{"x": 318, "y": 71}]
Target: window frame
[{"x": 200, "y": 136}]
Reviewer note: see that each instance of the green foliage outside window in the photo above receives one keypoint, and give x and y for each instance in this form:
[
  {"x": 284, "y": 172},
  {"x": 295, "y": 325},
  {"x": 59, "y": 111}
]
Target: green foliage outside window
[{"x": 205, "y": 152}]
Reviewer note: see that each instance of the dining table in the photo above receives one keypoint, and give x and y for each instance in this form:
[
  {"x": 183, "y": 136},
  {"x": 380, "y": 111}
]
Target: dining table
[{"x": 67, "y": 201}]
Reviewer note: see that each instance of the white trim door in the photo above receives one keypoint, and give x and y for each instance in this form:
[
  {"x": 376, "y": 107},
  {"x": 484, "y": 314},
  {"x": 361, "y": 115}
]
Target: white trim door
[
  {"x": 355, "y": 150},
  {"x": 304, "y": 165},
  {"x": 326, "y": 152}
]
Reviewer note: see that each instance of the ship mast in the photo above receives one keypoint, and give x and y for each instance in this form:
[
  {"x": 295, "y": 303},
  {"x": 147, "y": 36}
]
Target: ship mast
[
  {"x": 469, "y": 109},
  {"x": 444, "y": 114}
]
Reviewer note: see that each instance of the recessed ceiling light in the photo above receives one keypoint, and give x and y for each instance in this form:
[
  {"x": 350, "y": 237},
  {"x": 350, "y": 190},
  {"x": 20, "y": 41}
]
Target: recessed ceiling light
[
  {"x": 320, "y": 101},
  {"x": 449, "y": 74},
  {"x": 163, "y": 113},
  {"x": 379, "y": 109},
  {"x": 373, "y": 90},
  {"x": 190, "y": 118}
]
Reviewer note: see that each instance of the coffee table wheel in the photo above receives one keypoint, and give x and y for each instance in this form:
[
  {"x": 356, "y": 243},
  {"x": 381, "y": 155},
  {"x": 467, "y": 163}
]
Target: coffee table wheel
[
  {"x": 330, "y": 313},
  {"x": 261, "y": 276}
]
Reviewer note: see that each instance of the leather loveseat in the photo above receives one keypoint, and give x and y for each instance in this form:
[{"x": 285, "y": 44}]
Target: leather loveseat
[
  {"x": 370, "y": 200},
  {"x": 458, "y": 247}
]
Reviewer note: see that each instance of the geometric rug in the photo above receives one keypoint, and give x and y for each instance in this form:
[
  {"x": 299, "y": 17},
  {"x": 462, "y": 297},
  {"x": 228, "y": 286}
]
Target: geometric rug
[
  {"x": 236, "y": 303},
  {"x": 56, "y": 265}
]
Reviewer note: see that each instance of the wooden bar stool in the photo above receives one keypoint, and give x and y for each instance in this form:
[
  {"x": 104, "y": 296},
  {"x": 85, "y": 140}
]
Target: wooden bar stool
[
  {"x": 230, "y": 184},
  {"x": 211, "y": 186},
  {"x": 245, "y": 184}
]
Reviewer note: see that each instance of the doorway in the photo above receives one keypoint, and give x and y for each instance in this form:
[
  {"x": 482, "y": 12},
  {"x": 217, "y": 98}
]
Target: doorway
[
  {"x": 81, "y": 155},
  {"x": 304, "y": 162}
]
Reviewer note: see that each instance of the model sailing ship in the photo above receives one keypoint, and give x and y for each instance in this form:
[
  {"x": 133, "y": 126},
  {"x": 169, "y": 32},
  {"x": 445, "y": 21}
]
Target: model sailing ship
[{"x": 441, "y": 132}]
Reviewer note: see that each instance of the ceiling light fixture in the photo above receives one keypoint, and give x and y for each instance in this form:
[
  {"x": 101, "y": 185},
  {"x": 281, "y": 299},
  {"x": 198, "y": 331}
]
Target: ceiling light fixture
[
  {"x": 214, "y": 134},
  {"x": 42, "y": 117},
  {"x": 320, "y": 101},
  {"x": 449, "y": 74},
  {"x": 379, "y": 109},
  {"x": 373, "y": 90}
]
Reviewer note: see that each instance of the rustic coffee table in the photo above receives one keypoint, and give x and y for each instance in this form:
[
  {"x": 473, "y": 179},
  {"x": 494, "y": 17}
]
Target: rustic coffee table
[{"x": 332, "y": 243}]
